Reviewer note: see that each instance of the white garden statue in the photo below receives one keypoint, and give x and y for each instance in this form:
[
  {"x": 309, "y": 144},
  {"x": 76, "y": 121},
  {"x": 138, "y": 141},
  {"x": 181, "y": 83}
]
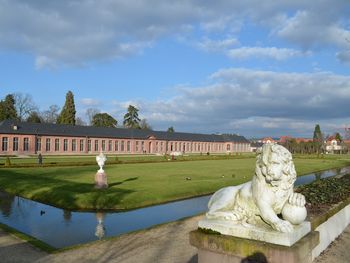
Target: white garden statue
[
  {"x": 261, "y": 200},
  {"x": 101, "y": 176},
  {"x": 101, "y": 159}
]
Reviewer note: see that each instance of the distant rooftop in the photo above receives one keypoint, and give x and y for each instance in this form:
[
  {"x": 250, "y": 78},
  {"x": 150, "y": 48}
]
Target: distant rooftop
[{"x": 42, "y": 129}]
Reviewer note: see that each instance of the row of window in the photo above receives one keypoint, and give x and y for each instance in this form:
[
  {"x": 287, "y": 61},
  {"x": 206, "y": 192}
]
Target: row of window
[
  {"x": 15, "y": 144},
  {"x": 118, "y": 146}
]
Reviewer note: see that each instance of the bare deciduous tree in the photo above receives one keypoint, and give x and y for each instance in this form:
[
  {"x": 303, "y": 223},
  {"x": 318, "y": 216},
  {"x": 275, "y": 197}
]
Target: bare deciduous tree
[
  {"x": 91, "y": 112},
  {"x": 24, "y": 105},
  {"x": 50, "y": 115}
]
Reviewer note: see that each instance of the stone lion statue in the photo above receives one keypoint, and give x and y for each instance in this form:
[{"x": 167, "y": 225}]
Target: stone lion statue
[{"x": 268, "y": 194}]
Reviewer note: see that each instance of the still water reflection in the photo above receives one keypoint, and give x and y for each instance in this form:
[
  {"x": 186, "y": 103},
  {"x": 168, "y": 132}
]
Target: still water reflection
[{"x": 61, "y": 228}]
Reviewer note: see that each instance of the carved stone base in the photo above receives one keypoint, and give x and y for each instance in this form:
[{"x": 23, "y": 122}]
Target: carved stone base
[
  {"x": 101, "y": 180},
  {"x": 260, "y": 231},
  {"x": 228, "y": 249}
]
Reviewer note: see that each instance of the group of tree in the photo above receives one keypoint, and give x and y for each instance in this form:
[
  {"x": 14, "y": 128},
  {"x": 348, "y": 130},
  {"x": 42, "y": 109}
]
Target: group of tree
[
  {"x": 316, "y": 146},
  {"x": 307, "y": 147},
  {"x": 21, "y": 107}
]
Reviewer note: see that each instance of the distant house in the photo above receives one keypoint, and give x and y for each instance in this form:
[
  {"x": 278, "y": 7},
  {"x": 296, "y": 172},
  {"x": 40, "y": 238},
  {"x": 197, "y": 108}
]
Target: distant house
[
  {"x": 335, "y": 146},
  {"x": 22, "y": 138},
  {"x": 267, "y": 140}
]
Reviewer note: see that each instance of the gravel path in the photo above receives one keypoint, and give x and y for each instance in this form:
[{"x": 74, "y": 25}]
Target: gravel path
[{"x": 164, "y": 244}]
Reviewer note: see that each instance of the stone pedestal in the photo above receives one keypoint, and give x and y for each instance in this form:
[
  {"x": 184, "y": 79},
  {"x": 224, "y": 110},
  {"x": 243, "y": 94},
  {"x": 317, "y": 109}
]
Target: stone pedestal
[
  {"x": 101, "y": 180},
  {"x": 260, "y": 231},
  {"x": 228, "y": 249}
]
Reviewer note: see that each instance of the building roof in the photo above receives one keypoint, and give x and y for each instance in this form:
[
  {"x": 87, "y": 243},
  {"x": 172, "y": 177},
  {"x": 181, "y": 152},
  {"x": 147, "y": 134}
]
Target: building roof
[
  {"x": 256, "y": 144},
  {"x": 42, "y": 129}
]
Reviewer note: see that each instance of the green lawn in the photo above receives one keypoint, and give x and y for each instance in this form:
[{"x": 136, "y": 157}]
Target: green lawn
[
  {"x": 137, "y": 185},
  {"x": 55, "y": 160}
]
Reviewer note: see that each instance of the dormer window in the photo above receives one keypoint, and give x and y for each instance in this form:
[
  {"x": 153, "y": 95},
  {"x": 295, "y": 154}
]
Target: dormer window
[{"x": 15, "y": 127}]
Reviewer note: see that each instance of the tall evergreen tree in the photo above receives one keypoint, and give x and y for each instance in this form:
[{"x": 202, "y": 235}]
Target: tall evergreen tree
[
  {"x": 318, "y": 138},
  {"x": 67, "y": 115},
  {"x": 131, "y": 118},
  {"x": 317, "y": 132},
  {"x": 7, "y": 108}
]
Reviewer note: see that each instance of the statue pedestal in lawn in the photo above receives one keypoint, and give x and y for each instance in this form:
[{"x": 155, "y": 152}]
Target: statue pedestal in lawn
[
  {"x": 101, "y": 176},
  {"x": 264, "y": 209}
]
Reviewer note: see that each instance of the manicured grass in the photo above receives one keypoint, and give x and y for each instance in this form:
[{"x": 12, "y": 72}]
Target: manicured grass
[
  {"x": 52, "y": 160},
  {"x": 137, "y": 185}
]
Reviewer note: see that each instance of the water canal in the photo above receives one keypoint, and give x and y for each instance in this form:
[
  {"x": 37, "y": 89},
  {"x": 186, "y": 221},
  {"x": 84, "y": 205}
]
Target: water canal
[{"x": 61, "y": 228}]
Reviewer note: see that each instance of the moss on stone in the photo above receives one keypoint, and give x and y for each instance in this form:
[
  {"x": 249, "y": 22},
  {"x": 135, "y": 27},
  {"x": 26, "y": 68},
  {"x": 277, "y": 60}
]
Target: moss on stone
[{"x": 209, "y": 231}]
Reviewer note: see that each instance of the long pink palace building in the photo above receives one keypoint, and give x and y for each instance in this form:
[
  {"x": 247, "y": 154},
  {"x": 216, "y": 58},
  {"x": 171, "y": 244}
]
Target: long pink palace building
[{"x": 23, "y": 138}]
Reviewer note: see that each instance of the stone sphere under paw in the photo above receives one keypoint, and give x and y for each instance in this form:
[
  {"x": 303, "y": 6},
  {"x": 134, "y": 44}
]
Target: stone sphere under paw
[{"x": 294, "y": 214}]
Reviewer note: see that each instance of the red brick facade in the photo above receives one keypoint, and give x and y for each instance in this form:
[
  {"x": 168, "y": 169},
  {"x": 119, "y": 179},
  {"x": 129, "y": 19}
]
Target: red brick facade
[{"x": 15, "y": 144}]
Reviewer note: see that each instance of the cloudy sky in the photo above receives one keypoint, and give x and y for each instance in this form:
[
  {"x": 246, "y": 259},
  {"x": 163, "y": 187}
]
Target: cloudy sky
[{"x": 256, "y": 68}]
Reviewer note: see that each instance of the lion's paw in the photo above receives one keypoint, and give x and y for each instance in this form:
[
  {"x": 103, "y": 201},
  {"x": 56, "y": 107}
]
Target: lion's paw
[
  {"x": 297, "y": 199},
  {"x": 283, "y": 226}
]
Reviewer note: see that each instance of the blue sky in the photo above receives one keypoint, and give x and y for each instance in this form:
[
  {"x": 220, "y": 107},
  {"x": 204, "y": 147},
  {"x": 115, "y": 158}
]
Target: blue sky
[{"x": 254, "y": 68}]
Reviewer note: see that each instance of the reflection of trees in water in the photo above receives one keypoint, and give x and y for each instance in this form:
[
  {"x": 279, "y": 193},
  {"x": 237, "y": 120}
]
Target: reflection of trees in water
[
  {"x": 6, "y": 202},
  {"x": 67, "y": 215},
  {"x": 100, "y": 228},
  {"x": 318, "y": 175}
]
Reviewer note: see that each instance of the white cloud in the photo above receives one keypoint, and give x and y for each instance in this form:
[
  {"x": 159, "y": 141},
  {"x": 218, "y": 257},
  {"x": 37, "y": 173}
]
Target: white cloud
[
  {"x": 81, "y": 32},
  {"x": 312, "y": 28},
  {"x": 263, "y": 52},
  {"x": 217, "y": 45},
  {"x": 252, "y": 103},
  {"x": 90, "y": 102}
]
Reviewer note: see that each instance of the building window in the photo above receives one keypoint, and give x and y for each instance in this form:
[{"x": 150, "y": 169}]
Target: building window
[
  {"x": 74, "y": 145},
  {"x": 57, "y": 145},
  {"x": 228, "y": 148},
  {"x": 81, "y": 145},
  {"x": 103, "y": 145},
  {"x": 122, "y": 146},
  {"x": 142, "y": 146},
  {"x": 171, "y": 147},
  {"x": 4, "y": 144},
  {"x": 161, "y": 147},
  {"x": 157, "y": 147},
  {"x": 89, "y": 145},
  {"x": 116, "y": 146},
  {"x": 48, "y": 144},
  {"x": 110, "y": 146},
  {"x": 65, "y": 145},
  {"x": 137, "y": 146},
  {"x": 96, "y": 145},
  {"x": 38, "y": 144},
  {"x": 26, "y": 144},
  {"x": 128, "y": 146},
  {"x": 15, "y": 144}
]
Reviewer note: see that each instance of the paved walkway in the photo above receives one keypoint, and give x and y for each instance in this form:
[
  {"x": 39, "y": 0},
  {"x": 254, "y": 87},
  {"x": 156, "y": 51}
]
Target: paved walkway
[{"x": 164, "y": 244}]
